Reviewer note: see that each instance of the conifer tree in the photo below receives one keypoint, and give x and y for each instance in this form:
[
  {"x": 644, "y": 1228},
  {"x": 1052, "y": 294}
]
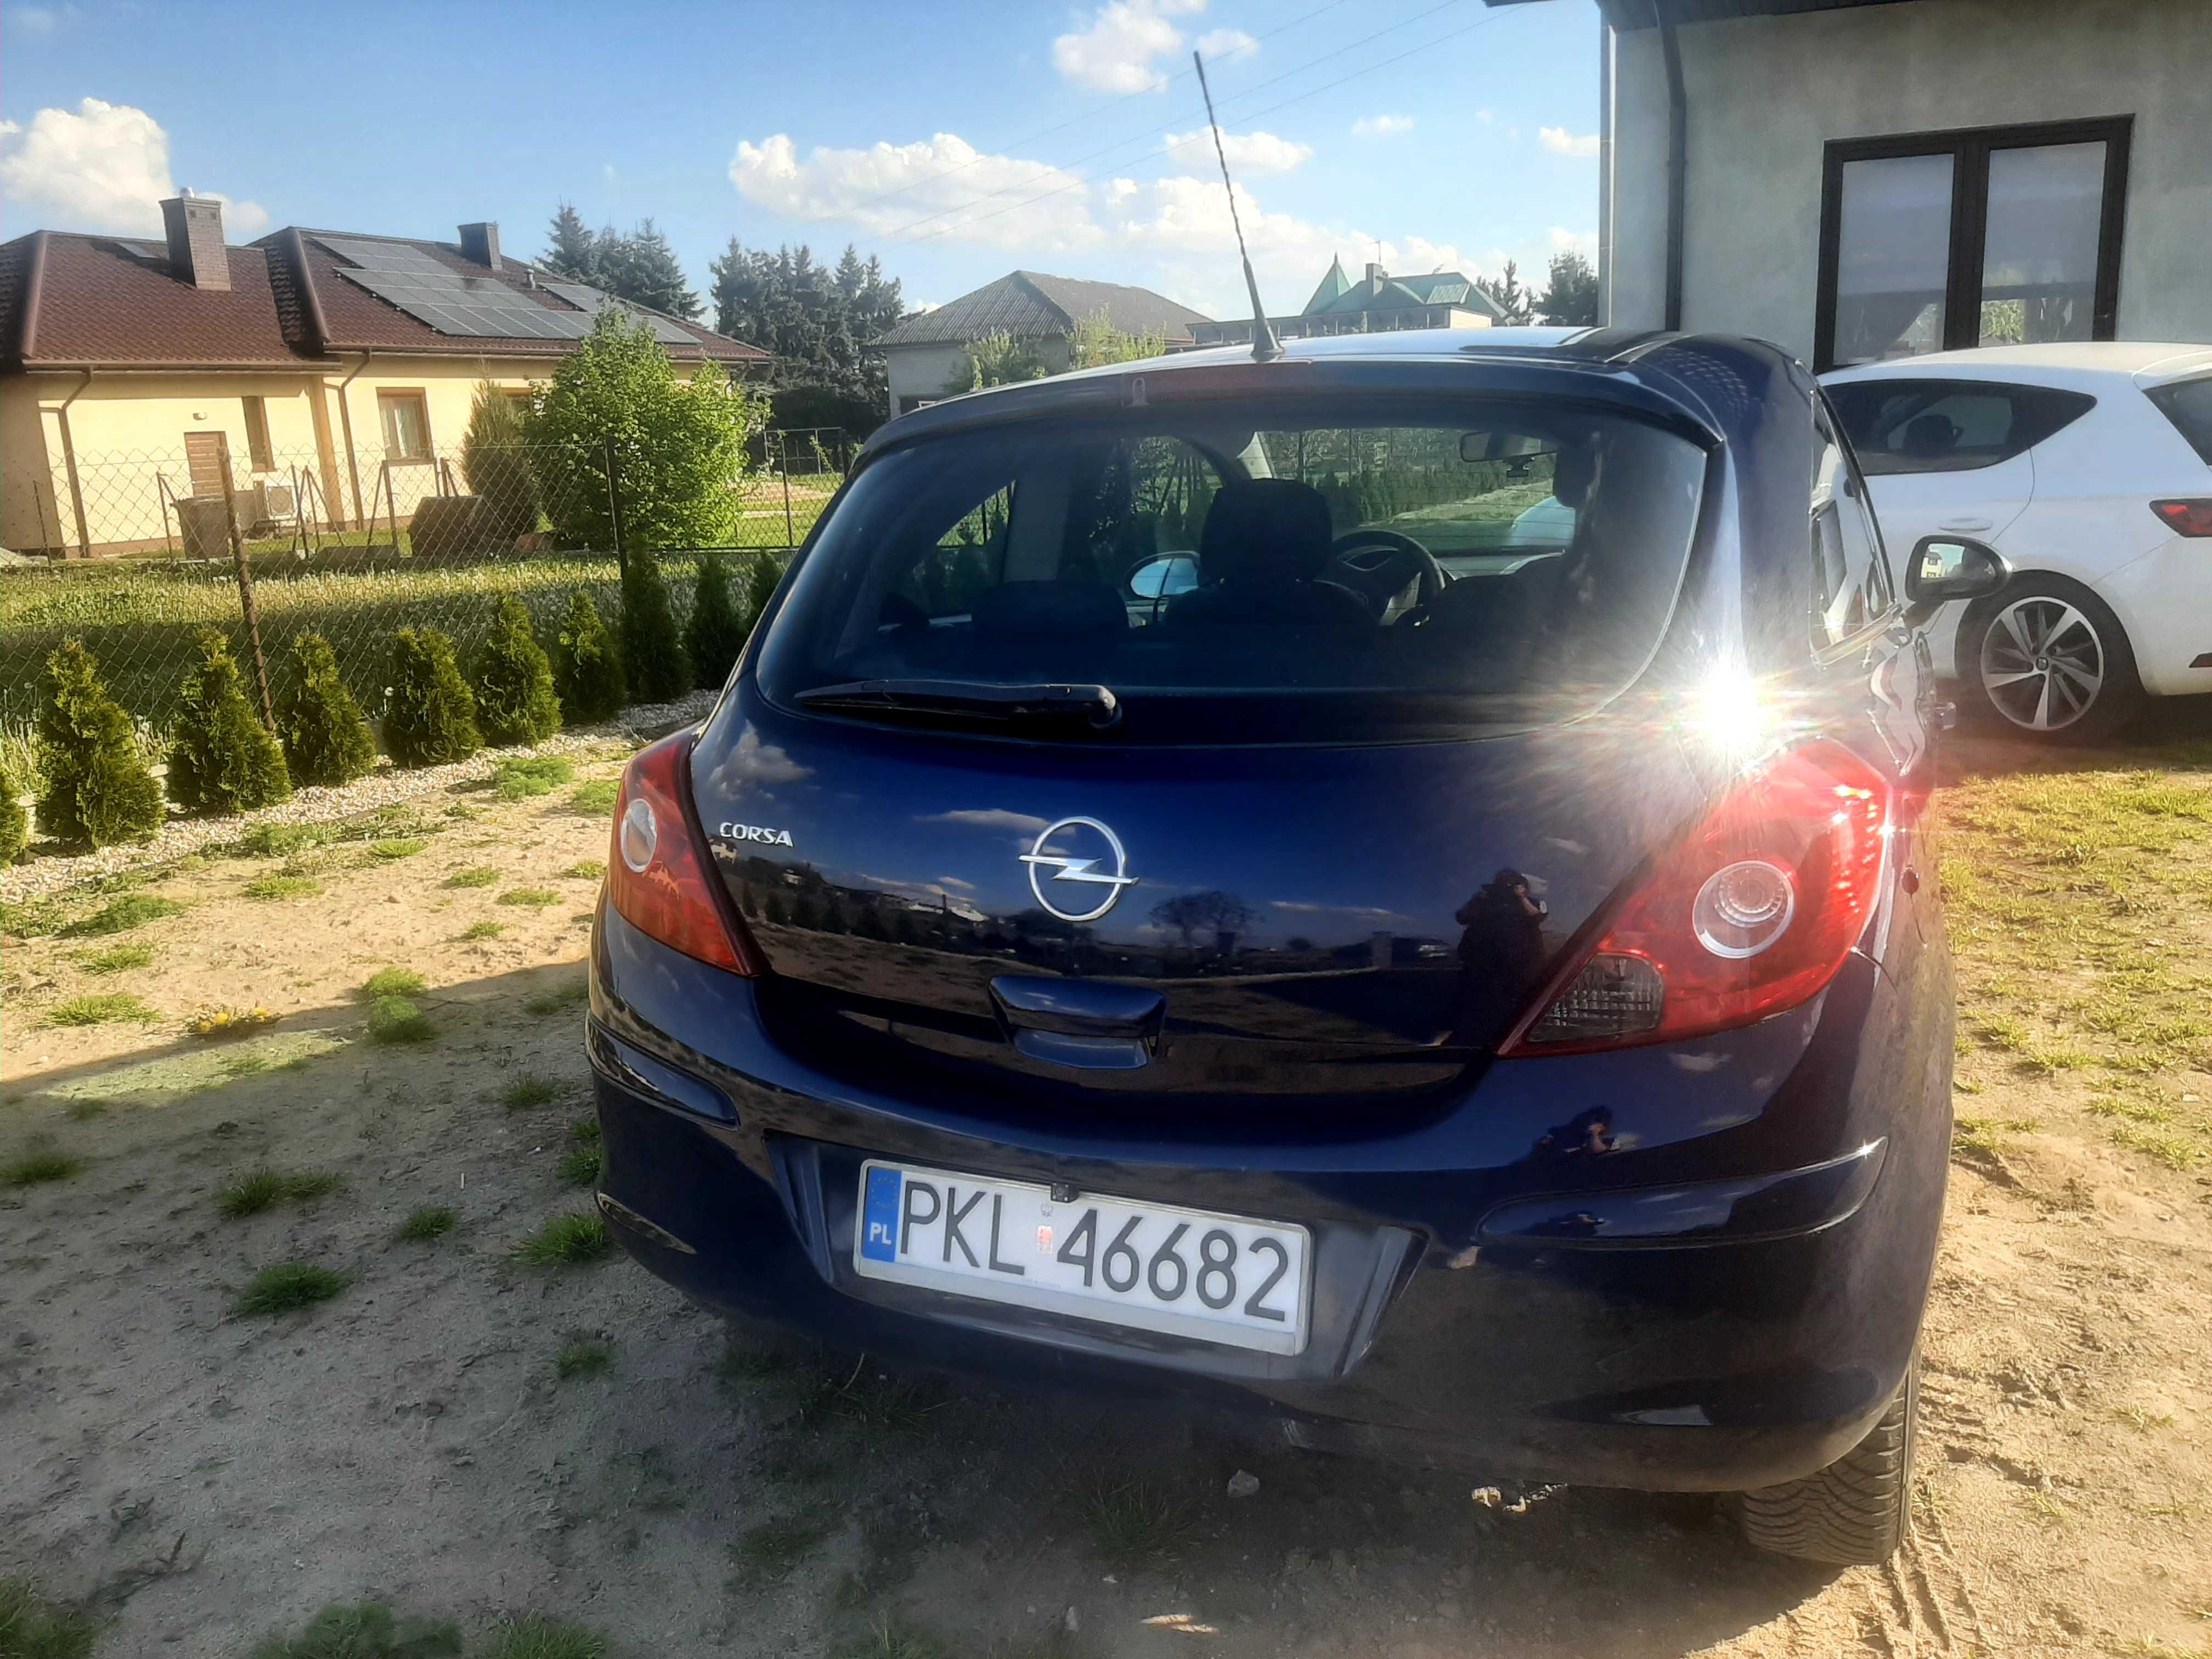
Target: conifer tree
[
  {"x": 588, "y": 665},
  {"x": 429, "y": 713},
  {"x": 325, "y": 740},
  {"x": 14, "y": 831},
  {"x": 97, "y": 788},
  {"x": 222, "y": 759},
  {"x": 515, "y": 701},
  {"x": 715, "y": 632},
  {"x": 653, "y": 657}
]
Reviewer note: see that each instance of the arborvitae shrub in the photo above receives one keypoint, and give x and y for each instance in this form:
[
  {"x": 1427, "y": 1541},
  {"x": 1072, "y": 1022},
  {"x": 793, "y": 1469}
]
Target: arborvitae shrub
[
  {"x": 654, "y": 656},
  {"x": 497, "y": 467},
  {"x": 223, "y": 758},
  {"x": 760, "y": 588},
  {"x": 587, "y": 665},
  {"x": 327, "y": 741},
  {"x": 515, "y": 701},
  {"x": 14, "y": 831},
  {"x": 715, "y": 632},
  {"x": 429, "y": 714},
  {"x": 97, "y": 788}
]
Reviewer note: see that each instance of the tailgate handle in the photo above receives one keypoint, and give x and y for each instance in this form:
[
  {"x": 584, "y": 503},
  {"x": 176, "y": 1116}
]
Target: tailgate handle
[{"x": 1091, "y": 1023}]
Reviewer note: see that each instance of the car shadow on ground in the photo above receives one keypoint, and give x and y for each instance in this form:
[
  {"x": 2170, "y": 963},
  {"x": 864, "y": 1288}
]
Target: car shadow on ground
[{"x": 420, "y": 1437}]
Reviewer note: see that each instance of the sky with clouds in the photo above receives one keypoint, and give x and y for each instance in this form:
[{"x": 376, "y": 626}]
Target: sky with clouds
[{"x": 957, "y": 140}]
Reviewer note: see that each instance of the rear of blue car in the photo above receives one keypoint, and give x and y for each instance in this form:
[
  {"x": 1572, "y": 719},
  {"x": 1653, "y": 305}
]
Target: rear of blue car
[{"x": 1189, "y": 892}]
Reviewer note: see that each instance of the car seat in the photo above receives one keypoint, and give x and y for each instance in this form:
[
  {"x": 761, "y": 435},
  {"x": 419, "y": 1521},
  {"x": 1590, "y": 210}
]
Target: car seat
[{"x": 1260, "y": 559}]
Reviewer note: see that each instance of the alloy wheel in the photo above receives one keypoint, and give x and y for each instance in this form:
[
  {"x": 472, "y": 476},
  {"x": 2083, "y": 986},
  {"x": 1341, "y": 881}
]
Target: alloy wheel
[{"x": 2043, "y": 663}]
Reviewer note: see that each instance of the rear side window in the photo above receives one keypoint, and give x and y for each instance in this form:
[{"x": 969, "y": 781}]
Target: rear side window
[
  {"x": 2188, "y": 404},
  {"x": 1948, "y": 426},
  {"x": 1272, "y": 572},
  {"x": 1851, "y": 578}
]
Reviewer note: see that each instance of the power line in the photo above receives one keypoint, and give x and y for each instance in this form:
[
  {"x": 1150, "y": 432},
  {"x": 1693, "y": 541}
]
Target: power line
[
  {"x": 894, "y": 240},
  {"x": 1087, "y": 115},
  {"x": 900, "y": 231}
]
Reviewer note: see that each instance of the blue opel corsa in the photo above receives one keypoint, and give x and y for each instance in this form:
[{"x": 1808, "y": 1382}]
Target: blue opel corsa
[{"x": 1384, "y": 888}]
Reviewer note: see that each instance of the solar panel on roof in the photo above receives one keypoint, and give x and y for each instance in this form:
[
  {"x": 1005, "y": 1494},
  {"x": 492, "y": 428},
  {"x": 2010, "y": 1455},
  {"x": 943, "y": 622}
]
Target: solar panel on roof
[
  {"x": 593, "y": 302},
  {"x": 473, "y": 308}
]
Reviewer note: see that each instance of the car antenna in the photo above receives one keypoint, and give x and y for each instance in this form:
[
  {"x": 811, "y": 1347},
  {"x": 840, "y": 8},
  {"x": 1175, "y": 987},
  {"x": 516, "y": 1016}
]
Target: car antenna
[{"x": 1265, "y": 348}]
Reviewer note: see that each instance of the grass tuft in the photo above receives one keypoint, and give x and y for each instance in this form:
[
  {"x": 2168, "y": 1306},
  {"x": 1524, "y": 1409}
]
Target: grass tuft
[
  {"x": 265, "y": 1188},
  {"x": 586, "y": 870},
  {"x": 596, "y": 797},
  {"x": 474, "y": 875},
  {"x": 566, "y": 1240},
  {"x": 555, "y": 1000},
  {"x": 527, "y": 1091},
  {"x": 580, "y": 1167},
  {"x": 366, "y": 1631},
  {"x": 32, "y": 1627},
  {"x": 891, "y": 1637},
  {"x": 583, "y": 1359},
  {"x": 282, "y": 887},
  {"x": 430, "y": 1221},
  {"x": 393, "y": 851},
  {"x": 33, "y": 1168},
  {"x": 99, "y": 1008},
  {"x": 477, "y": 930},
  {"x": 289, "y": 1286},
  {"x": 282, "y": 841},
  {"x": 120, "y": 915},
  {"x": 116, "y": 959},
  {"x": 518, "y": 777},
  {"x": 393, "y": 982},
  {"x": 1133, "y": 1522},
  {"x": 219, "y": 1024},
  {"x": 536, "y": 897},
  {"x": 533, "y": 1636},
  {"x": 395, "y": 1019}
]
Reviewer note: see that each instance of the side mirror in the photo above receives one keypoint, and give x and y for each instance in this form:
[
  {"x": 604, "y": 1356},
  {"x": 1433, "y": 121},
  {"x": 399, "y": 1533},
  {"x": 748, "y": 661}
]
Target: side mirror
[
  {"x": 1165, "y": 575},
  {"x": 1944, "y": 568}
]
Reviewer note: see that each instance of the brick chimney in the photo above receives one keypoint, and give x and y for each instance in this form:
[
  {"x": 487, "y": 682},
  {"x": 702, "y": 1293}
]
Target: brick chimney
[
  {"x": 197, "y": 254},
  {"x": 480, "y": 244}
]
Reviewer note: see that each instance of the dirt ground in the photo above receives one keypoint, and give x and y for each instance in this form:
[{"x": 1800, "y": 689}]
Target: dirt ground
[{"x": 199, "y": 1478}]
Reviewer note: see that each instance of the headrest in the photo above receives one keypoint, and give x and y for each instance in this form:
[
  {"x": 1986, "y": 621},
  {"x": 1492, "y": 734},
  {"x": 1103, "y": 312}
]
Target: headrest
[
  {"x": 1930, "y": 434},
  {"x": 1272, "y": 530},
  {"x": 1049, "y": 607}
]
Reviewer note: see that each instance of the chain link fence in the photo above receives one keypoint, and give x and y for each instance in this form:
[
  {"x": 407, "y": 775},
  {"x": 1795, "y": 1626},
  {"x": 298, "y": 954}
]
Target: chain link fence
[{"x": 146, "y": 550}]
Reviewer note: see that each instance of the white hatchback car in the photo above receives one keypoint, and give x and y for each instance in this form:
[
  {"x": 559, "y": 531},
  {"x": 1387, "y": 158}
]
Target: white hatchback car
[{"x": 2089, "y": 467}]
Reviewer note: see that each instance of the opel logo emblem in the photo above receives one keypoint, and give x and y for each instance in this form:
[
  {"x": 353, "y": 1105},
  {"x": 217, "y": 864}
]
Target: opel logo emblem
[{"x": 1083, "y": 845}]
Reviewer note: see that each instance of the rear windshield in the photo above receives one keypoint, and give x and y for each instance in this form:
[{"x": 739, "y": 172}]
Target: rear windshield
[
  {"x": 2188, "y": 404},
  {"x": 1255, "y": 573}
]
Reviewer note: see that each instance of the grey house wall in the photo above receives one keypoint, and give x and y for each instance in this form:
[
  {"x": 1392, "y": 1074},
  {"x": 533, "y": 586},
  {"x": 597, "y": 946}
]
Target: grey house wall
[
  {"x": 1767, "y": 94},
  {"x": 924, "y": 371}
]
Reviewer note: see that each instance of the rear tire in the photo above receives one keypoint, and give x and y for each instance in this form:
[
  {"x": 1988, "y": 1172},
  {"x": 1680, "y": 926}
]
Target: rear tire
[
  {"x": 1857, "y": 1511},
  {"x": 2047, "y": 659}
]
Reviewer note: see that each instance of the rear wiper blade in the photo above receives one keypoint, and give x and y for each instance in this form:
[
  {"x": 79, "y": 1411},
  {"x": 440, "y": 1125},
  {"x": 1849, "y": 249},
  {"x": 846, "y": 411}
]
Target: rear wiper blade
[{"x": 974, "y": 701}]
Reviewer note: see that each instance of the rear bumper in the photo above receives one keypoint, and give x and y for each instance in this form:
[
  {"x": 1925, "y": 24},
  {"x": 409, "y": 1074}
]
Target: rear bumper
[
  {"x": 1517, "y": 1317},
  {"x": 2164, "y": 600}
]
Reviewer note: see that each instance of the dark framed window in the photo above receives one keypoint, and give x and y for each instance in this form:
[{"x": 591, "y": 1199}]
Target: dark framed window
[
  {"x": 406, "y": 418},
  {"x": 1925, "y": 425},
  {"x": 1851, "y": 590},
  {"x": 1937, "y": 241}
]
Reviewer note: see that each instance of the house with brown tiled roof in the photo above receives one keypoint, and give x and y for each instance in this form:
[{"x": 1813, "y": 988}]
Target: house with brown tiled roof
[{"x": 316, "y": 371}]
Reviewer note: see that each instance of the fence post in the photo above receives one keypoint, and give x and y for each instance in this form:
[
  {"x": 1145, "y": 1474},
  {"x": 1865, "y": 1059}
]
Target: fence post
[
  {"x": 246, "y": 599},
  {"x": 614, "y": 507},
  {"x": 784, "y": 456},
  {"x": 391, "y": 508}
]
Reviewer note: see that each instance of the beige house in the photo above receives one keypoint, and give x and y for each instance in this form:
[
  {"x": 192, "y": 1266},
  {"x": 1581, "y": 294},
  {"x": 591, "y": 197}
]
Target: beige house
[{"x": 314, "y": 374}]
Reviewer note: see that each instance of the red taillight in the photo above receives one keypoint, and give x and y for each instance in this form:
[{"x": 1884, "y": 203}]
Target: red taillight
[
  {"x": 2189, "y": 517},
  {"x": 656, "y": 869},
  {"x": 1750, "y": 914}
]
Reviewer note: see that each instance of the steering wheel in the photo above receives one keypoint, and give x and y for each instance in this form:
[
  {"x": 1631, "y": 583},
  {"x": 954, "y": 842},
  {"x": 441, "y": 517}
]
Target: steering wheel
[{"x": 1376, "y": 564}]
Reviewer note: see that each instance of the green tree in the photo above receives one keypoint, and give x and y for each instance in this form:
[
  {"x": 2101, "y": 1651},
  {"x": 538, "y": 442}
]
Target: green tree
[
  {"x": 760, "y": 588},
  {"x": 325, "y": 740},
  {"x": 819, "y": 323},
  {"x": 1096, "y": 341},
  {"x": 714, "y": 632},
  {"x": 515, "y": 700},
  {"x": 571, "y": 250},
  {"x": 679, "y": 447},
  {"x": 497, "y": 467},
  {"x": 429, "y": 713},
  {"x": 14, "y": 830},
  {"x": 1515, "y": 300},
  {"x": 222, "y": 759},
  {"x": 996, "y": 359},
  {"x": 97, "y": 788},
  {"x": 642, "y": 268},
  {"x": 654, "y": 656},
  {"x": 1570, "y": 295},
  {"x": 588, "y": 665}
]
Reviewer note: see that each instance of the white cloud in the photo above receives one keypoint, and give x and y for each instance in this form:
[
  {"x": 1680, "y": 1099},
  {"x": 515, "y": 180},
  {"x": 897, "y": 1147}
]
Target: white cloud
[
  {"x": 1115, "y": 53},
  {"x": 942, "y": 180},
  {"x": 101, "y": 167},
  {"x": 989, "y": 818},
  {"x": 1381, "y": 126},
  {"x": 1251, "y": 155},
  {"x": 1582, "y": 146},
  {"x": 1219, "y": 45}
]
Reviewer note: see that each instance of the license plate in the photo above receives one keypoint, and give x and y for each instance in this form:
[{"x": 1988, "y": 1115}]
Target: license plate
[{"x": 1141, "y": 1265}]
